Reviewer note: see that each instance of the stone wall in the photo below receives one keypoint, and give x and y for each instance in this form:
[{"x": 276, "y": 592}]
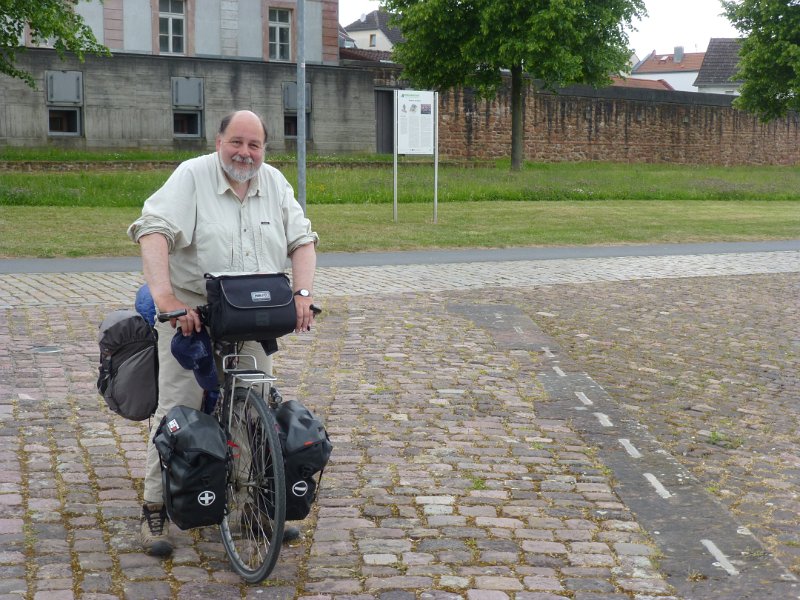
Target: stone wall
[
  {"x": 618, "y": 125},
  {"x": 127, "y": 102}
]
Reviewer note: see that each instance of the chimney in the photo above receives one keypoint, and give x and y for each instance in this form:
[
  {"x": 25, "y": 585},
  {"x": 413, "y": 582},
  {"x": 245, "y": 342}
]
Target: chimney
[{"x": 678, "y": 57}]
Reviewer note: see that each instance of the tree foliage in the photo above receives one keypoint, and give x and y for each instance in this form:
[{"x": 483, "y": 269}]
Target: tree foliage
[
  {"x": 472, "y": 43},
  {"x": 769, "y": 57},
  {"x": 51, "y": 22}
]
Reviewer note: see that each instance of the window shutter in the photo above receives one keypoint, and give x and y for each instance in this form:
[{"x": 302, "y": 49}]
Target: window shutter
[
  {"x": 290, "y": 96},
  {"x": 64, "y": 87},
  {"x": 187, "y": 92}
]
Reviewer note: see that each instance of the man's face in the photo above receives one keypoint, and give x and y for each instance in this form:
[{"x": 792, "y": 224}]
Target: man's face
[{"x": 241, "y": 147}]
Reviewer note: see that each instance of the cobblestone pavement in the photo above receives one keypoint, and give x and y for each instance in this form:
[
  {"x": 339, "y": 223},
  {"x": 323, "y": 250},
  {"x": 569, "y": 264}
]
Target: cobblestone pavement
[{"x": 453, "y": 475}]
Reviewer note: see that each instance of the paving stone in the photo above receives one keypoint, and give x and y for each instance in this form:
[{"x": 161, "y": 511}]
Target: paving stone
[
  {"x": 486, "y": 595},
  {"x": 148, "y": 590},
  {"x": 423, "y": 408}
]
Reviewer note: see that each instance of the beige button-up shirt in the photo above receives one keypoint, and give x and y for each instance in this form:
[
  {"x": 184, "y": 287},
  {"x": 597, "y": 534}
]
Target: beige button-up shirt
[{"x": 209, "y": 230}]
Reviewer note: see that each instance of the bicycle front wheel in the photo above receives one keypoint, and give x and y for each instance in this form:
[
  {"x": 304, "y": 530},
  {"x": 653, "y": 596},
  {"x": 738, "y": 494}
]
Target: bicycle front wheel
[{"x": 252, "y": 530}]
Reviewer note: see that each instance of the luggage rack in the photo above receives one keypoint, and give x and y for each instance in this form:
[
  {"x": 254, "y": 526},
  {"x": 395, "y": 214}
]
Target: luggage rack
[{"x": 247, "y": 377}]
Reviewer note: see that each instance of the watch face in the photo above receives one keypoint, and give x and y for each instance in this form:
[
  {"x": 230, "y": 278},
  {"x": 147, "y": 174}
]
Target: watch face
[{"x": 304, "y": 293}]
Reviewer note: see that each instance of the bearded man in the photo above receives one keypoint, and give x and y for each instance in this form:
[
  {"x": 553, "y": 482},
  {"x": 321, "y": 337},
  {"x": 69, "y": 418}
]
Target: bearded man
[{"x": 225, "y": 212}]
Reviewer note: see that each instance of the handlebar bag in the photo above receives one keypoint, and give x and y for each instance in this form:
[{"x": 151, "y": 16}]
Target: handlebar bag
[
  {"x": 194, "y": 459},
  {"x": 250, "y": 307}
]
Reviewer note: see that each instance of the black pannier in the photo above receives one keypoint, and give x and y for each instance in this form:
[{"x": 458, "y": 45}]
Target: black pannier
[
  {"x": 306, "y": 449},
  {"x": 194, "y": 461}
]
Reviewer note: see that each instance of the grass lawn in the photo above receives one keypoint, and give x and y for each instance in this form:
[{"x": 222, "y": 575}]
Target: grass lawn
[
  {"x": 52, "y": 214},
  {"x": 90, "y": 231}
]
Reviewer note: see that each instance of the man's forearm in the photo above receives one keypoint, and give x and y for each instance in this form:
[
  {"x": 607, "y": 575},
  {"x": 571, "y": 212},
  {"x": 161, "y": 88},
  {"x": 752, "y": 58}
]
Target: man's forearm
[
  {"x": 155, "y": 265},
  {"x": 304, "y": 263}
]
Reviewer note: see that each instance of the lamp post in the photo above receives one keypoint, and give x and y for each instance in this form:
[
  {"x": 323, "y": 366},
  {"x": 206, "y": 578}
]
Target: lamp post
[{"x": 301, "y": 104}]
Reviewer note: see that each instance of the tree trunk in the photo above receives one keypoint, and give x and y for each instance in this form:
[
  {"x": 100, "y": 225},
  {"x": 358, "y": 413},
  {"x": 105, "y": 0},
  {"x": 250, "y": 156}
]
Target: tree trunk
[{"x": 517, "y": 125}]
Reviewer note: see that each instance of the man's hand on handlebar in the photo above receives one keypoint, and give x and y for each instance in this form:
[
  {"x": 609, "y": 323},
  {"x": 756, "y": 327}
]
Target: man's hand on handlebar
[
  {"x": 180, "y": 315},
  {"x": 306, "y": 311},
  {"x": 189, "y": 319}
]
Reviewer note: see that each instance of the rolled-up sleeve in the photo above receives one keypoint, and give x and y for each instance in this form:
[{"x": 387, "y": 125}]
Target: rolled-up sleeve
[
  {"x": 297, "y": 226},
  {"x": 170, "y": 211}
]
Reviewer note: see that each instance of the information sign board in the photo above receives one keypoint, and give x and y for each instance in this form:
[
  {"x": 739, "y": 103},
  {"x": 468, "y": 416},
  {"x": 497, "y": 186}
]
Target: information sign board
[{"x": 415, "y": 122}]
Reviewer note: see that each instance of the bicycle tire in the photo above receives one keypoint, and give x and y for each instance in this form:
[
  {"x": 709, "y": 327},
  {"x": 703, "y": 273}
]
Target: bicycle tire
[{"x": 252, "y": 530}]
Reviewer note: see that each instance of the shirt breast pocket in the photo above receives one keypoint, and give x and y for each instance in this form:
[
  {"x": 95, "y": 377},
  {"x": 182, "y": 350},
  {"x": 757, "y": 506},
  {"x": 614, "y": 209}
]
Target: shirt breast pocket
[{"x": 214, "y": 244}]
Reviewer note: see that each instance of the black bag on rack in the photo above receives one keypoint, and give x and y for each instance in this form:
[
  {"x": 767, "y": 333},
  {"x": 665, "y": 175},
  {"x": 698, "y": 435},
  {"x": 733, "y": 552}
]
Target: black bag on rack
[
  {"x": 194, "y": 461},
  {"x": 306, "y": 450},
  {"x": 250, "y": 307}
]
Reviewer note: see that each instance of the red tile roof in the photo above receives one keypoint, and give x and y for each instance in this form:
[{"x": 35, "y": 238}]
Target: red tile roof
[
  {"x": 665, "y": 63},
  {"x": 649, "y": 84},
  {"x": 365, "y": 54}
]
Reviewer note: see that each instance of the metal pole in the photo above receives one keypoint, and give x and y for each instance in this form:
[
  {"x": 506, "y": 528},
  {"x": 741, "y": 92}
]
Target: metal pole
[
  {"x": 301, "y": 103},
  {"x": 435, "y": 157},
  {"x": 394, "y": 125}
]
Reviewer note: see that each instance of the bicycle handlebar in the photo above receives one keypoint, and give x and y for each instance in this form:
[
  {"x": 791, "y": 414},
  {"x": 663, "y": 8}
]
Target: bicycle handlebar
[{"x": 167, "y": 316}]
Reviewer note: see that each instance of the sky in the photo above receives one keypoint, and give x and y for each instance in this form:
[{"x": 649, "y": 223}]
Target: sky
[{"x": 670, "y": 23}]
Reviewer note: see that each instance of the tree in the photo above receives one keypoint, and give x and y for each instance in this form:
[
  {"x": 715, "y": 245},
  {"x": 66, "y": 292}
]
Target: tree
[
  {"x": 53, "y": 22},
  {"x": 769, "y": 56},
  {"x": 471, "y": 43}
]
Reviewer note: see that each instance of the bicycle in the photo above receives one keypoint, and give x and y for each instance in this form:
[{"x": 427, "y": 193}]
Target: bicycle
[{"x": 255, "y": 502}]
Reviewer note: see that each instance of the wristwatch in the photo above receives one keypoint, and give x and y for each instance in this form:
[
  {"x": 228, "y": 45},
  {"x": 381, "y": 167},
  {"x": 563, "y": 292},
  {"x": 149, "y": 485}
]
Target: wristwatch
[{"x": 303, "y": 292}]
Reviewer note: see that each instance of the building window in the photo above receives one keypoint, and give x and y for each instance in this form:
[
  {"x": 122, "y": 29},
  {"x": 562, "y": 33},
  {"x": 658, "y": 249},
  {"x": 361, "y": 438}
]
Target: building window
[
  {"x": 63, "y": 121},
  {"x": 373, "y": 40},
  {"x": 187, "y": 106},
  {"x": 290, "y": 110},
  {"x": 171, "y": 26},
  {"x": 290, "y": 126},
  {"x": 279, "y": 34},
  {"x": 186, "y": 124},
  {"x": 64, "y": 102}
]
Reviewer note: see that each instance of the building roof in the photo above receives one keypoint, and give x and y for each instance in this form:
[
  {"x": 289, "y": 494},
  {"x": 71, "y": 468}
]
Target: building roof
[
  {"x": 377, "y": 20},
  {"x": 364, "y": 54},
  {"x": 679, "y": 62},
  {"x": 720, "y": 62},
  {"x": 648, "y": 84},
  {"x": 345, "y": 41}
]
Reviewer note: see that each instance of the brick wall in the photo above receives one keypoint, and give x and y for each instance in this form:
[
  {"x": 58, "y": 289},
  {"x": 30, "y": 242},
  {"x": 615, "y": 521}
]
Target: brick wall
[{"x": 618, "y": 125}]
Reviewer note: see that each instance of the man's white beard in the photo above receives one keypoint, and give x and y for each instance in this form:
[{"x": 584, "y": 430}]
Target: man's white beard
[{"x": 240, "y": 169}]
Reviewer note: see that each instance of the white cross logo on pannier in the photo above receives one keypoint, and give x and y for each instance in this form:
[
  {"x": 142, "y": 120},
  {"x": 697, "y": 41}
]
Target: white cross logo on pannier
[{"x": 206, "y": 498}]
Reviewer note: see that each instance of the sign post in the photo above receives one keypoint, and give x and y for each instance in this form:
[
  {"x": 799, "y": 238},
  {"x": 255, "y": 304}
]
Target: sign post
[{"x": 416, "y": 131}]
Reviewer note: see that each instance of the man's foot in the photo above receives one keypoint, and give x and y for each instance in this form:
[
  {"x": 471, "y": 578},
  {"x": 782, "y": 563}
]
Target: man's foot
[{"x": 154, "y": 530}]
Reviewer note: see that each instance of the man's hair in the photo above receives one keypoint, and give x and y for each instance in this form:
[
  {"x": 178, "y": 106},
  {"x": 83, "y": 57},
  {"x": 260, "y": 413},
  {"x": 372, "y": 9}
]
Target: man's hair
[{"x": 226, "y": 120}]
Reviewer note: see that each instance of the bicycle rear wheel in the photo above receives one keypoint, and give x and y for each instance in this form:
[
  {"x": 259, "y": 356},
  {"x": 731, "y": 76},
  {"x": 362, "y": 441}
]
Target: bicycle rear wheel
[{"x": 252, "y": 530}]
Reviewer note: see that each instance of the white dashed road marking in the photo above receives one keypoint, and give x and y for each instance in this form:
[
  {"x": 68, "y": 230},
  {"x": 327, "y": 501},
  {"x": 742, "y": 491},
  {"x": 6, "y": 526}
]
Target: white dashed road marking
[
  {"x": 630, "y": 448},
  {"x": 721, "y": 559},
  {"x": 660, "y": 489},
  {"x": 604, "y": 420}
]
